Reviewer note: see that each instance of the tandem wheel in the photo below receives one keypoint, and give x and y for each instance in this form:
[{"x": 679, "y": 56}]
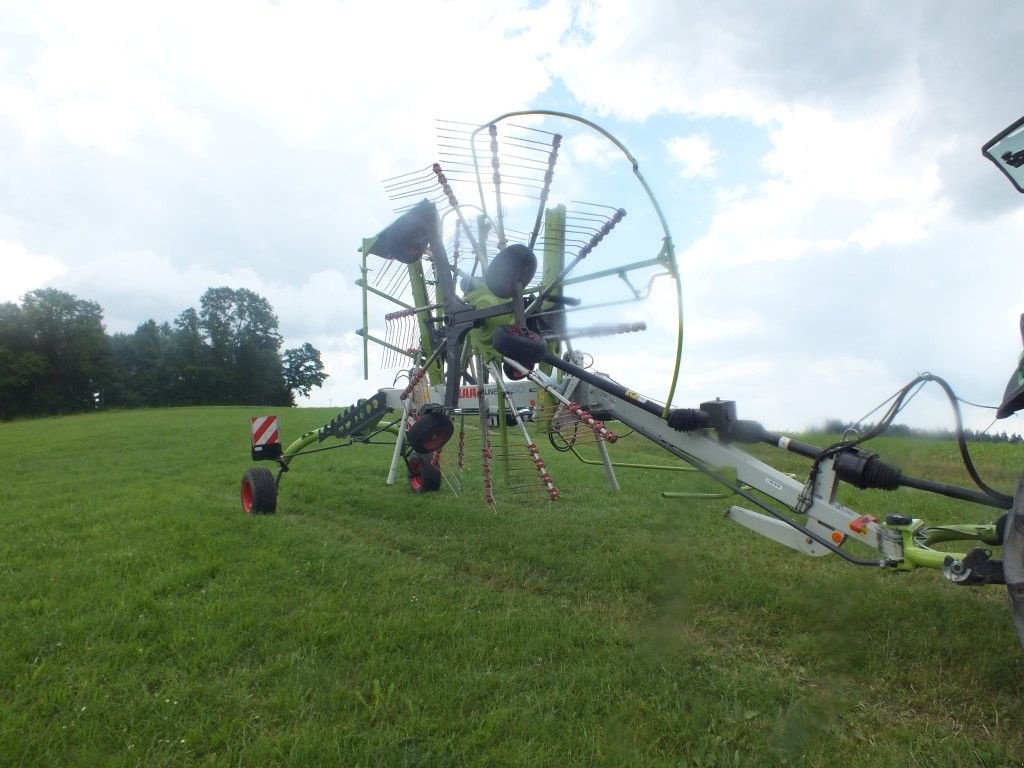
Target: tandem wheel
[{"x": 259, "y": 492}]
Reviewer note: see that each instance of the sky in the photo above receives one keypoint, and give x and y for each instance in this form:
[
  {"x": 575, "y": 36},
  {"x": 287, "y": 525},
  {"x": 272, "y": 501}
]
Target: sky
[{"x": 837, "y": 229}]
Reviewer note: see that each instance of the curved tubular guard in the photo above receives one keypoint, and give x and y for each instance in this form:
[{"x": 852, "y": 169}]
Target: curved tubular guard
[
  {"x": 1013, "y": 559},
  {"x": 668, "y": 254}
]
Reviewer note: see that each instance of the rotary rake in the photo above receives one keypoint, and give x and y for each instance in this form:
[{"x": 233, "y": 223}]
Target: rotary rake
[{"x": 490, "y": 274}]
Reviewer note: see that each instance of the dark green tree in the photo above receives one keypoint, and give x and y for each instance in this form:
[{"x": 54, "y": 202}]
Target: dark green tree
[
  {"x": 141, "y": 371},
  {"x": 68, "y": 334},
  {"x": 244, "y": 346},
  {"x": 193, "y": 379},
  {"x": 55, "y": 356},
  {"x": 22, "y": 367},
  {"x": 303, "y": 369}
]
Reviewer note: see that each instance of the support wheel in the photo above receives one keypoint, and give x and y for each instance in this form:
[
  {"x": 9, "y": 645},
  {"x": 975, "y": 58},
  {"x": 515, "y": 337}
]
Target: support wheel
[
  {"x": 424, "y": 477},
  {"x": 512, "y": 374},
  {"x": 430, "y": 432},
  {"x": 514, "y": 265},
  {"x": 259, "y": 492},
  {"x": 521, "y": 344}
]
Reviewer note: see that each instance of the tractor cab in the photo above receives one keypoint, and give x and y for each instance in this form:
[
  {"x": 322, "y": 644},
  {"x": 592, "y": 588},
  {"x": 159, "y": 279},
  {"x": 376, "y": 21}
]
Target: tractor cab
[{"x": 1006, "y": 150}]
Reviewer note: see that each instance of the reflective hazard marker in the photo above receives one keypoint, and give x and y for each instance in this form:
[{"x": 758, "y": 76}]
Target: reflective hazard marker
[{"x": 266, "y": 438}]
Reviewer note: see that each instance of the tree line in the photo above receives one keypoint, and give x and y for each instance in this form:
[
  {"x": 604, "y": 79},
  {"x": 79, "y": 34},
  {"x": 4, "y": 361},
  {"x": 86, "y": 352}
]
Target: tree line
[
  {"x": 839, "y": 427},
  {"x": 56, "y": 356}
]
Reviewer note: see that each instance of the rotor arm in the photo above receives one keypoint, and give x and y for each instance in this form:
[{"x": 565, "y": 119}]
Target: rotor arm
[{"x": 853, "y": 465}]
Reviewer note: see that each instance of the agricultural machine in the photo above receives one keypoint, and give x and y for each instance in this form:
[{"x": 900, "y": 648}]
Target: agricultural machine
[{"x": 486, "y": 283}]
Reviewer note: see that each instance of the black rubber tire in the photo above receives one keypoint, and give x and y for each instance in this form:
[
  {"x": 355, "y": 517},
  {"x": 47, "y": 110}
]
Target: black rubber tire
[
  {"x": 424, "y": 477},
  {"x": 259, "y": 492},
  {"x": 514, "y": 264},
  {"x": 512, "y": 374},
  {"x": 430, "y": 432},
  {"x": 520, "y": 344}
]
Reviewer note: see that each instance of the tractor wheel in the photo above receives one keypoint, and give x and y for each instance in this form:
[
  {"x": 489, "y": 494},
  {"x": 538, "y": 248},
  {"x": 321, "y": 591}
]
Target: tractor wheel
[
  {"x": 424, "y": 477},
  {"x": 521, "y": 344},
  {"x": 430, "y": 432},
  {"x": 513, "y": 265},
  {"x": 259, "y": 492}
]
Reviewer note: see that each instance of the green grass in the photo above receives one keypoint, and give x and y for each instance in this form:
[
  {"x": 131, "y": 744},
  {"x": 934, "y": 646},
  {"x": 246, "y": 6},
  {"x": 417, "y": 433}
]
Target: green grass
[{"x": 147, "y": 621}]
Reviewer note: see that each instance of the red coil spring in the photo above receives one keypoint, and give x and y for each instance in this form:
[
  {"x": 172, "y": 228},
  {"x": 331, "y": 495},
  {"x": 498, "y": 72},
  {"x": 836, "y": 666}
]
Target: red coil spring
[
  {"x": 488, "y": 480},
  {"x": 400, "y": 313},
  {"x": 415, "y": 379},
  {"x": 545, "y": 476},
  {"x": 595, "y": 424},
  {"x": 608, "y": 226},
  {"x": 445, "y": 186}
]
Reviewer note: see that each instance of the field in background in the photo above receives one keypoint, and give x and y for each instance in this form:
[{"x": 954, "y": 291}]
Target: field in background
[{"x": 147, "y": 621}]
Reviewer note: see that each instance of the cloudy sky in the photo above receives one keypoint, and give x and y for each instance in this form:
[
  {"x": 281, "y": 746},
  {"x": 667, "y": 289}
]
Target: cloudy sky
[{"x": 837, "y": 228}]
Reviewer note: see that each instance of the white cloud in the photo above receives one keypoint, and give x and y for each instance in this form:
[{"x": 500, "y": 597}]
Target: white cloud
[
  {"x": 694, "y": 155},
  {"x": 821, "y": 162},
  {"x": 24, "y": 271},
  {"x": 829, "y": 183}
]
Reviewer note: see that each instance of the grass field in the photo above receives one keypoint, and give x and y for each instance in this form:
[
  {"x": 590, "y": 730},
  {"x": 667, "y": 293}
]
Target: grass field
[{"x": 147, "y": 621}]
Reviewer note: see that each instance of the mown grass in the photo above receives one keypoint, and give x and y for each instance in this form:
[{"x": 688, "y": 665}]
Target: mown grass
[{"x": 147, "y": 621}]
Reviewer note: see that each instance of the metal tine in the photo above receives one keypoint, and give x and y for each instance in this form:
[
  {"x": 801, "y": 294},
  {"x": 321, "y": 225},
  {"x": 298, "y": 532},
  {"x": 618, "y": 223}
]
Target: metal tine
[
  {"x": 382, "y": 274},
  {"x": 456, "y": 163},
  {"x": 412, "y": 343},
  {"x": 583, "y": 252},
  {"x": 513, "y": 179},
  {"x": 420, "y": 192},
  {"x": 459, "y": 150},
  {"x": 591, "y": 214},
  {"x": 536, "y": 184},
  {"x": 582, "y": 232},
  {"x": 539, "y": 158},
  {"x": 518, "y": 184},
  {"x": 398, "y": 287},
  {"x": 464, "y": 136},
  {"x": 409, "y": 181},
  {"x": 438, "y": 198},
  {"x": 591, "y": 204},
  {"x": 587, "y": 222},
  {"x": 421, "y": 187},
  {"x": 400, "y": 176},
  {"x": 531, "y": 128},
  {"x": 442, "y": 180},
  {"x": 586, "y": 217},
  {"x": 518, "y": 231},
  {"x": 522, "y": 141},
  {"x": 527, "y": 162},
  {"x": 392, "y": 338},
  {"x": 468, "y": 140},
  {"x": 524, "y": 194},
  {"x": 499, "y": 214},
  {"x": 549, "y": 172},
  {"x": 444, "y": 122}
]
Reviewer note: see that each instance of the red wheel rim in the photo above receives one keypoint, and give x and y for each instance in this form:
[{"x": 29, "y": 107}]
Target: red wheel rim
[
  {"x": 415, "y": 473},
  {"x": 434, "y": 441},
  {"x": 247, "y": 497}
]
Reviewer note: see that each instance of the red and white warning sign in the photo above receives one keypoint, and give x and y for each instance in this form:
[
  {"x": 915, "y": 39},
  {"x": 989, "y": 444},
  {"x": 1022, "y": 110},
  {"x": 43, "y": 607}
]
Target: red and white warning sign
[{"x": 266, "y": 437}]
